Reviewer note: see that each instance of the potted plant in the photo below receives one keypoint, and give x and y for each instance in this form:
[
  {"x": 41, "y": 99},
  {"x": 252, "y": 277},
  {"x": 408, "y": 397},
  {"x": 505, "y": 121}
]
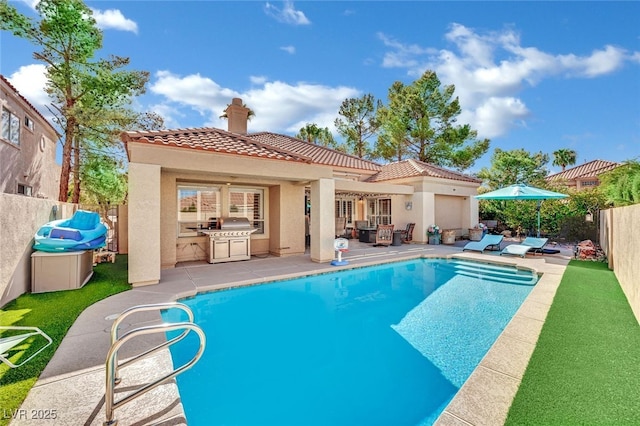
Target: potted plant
[
  {"x": 434, "y": 233},
  {"x": 477, "y": 232}
]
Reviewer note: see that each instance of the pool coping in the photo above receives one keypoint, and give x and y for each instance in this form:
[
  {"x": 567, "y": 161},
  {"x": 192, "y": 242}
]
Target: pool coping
[{"x": 73, "y": 382}]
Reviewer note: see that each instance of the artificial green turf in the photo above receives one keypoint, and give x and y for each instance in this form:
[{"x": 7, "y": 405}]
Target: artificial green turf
[
  {"x": 585, "y": 369},
  {"x": 54, "y": 313}
]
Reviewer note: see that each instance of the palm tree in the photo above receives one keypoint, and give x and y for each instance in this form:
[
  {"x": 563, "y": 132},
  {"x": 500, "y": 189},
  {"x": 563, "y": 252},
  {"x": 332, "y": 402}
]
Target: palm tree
[
  {"x": 564, "y": 158},
  {"x": 312, "y": 133}
]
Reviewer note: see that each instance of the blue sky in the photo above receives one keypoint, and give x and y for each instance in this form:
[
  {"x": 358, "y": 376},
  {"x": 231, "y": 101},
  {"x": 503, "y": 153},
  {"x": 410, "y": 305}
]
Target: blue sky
[{"x": 534, "y": 75}]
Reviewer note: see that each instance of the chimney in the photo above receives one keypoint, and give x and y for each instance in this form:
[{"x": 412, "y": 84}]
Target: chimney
[{"x": 237, "y": 116}]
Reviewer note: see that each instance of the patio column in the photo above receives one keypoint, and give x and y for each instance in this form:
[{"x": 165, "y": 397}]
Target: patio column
[
  {"x": 322, "y": 220},
  {"x": 474, "y": 212},
  {"x": 144, "y": 224}
]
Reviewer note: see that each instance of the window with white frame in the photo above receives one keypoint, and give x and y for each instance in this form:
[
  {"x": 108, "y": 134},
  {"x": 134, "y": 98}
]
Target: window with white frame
[
  {"x": 344, "y": 208},
  {"x": 379, "y": 211},
  {"x": 198, "y": 208},
  {"x": 249, "y": 203},
  {"x": 10, "y": 127}
]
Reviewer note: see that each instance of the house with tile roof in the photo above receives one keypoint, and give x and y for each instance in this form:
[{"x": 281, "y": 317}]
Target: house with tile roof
[
  {"x": 182, "y": 181},
  {"x": 583, "y": 176},
  {"x": 27, "y": 147}
]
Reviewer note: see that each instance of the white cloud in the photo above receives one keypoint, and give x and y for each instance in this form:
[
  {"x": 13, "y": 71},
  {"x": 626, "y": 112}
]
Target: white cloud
[
  {"x": 402, "y": 56},
  {"x": 114, "y": 19},
  {"x": 30, "y": 81},
  {"x": 108, "y": 19},
  {"x": 258, "y": 79},
  {"x": 278, "y": 106},
  {"x": 599, "y": 63},
  {"x": 168, "y": 113},
  {"x": 288, "y": 14},
  {"x": 289, "y": 49},
  {"x": 31, "y": 3},
  {"x": 511, "y": 112},
  {"x": 491, "y": 69}
]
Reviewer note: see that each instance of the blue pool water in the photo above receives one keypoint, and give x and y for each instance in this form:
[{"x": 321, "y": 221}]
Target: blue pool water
[{"x": 383, "y": 345}]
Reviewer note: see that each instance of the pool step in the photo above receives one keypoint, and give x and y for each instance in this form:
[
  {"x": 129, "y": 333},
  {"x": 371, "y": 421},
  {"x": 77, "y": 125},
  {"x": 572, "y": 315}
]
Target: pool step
[
  {"x": 493, "y": 272},
  {"x": 496, "y": 270}
]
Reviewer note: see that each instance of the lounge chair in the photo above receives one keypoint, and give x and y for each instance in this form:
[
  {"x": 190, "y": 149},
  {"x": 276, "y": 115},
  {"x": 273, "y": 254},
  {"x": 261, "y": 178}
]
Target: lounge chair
[
  {"x": 488, "y": 242},
  {"x": 10, "y": 342},
  {"x": 529, "y": 245},
  {"x": 384, "y": 235}
]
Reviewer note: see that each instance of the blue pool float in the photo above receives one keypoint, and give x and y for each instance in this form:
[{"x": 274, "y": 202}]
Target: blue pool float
[{"x": 83, "y": 231}]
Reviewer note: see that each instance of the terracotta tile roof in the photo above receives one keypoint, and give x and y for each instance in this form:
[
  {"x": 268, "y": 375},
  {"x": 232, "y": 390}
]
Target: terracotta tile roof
[
  {"x": 586, "y": 170},
  {"x": 318, "y": 154},
  {"x": 415, "y": 168},
  {"x": 35, "y": 110},
  {"x": 212, "y": 140}
]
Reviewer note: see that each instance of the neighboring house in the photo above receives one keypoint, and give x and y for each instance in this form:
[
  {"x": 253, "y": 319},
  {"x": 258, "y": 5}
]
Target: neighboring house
[
  {"x": 186, "y": 179},
  {"x": 583, "y": 176},
  {"x": 27, "y": 148}
]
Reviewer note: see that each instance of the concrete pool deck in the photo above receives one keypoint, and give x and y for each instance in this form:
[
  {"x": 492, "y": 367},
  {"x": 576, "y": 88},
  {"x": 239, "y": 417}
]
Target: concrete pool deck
[{"x": 73, "y": 382}]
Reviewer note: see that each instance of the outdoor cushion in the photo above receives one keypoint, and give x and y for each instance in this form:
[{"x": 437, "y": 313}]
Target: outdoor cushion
[{"x": 65, "y": 234}]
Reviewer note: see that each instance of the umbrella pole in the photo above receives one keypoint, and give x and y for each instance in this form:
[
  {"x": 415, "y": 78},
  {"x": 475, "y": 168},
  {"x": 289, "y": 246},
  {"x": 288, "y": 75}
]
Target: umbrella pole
[{"x": 539, "y": 202}]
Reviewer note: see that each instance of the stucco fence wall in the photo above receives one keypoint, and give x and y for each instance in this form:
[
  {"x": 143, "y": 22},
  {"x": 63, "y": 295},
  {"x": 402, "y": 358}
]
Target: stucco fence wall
[
  {"x": 620, "y": 241},
  {"x": 20, "y": 219}
]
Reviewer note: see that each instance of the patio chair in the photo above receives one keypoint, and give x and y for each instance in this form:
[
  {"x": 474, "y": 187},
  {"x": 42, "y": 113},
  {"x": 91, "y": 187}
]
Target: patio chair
[
  {"x": 384, "y": 235},
  {"x": 488, "y": 242},
  {"x": 341, "y": 226},
  {"x": 529, "y": 245},
  {"x": 10, "y": 342},
  {"x": 407, "y": 234}
]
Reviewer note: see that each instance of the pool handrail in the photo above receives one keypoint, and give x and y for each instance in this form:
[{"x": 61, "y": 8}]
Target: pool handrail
[
  {"x": 144, "y": 308},
  {"x": 112, "y": 368}
]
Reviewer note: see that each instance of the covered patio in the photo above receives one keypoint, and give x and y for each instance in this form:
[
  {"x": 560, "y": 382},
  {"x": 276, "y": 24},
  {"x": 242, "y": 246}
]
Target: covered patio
[{"x": 182, "y": 181}]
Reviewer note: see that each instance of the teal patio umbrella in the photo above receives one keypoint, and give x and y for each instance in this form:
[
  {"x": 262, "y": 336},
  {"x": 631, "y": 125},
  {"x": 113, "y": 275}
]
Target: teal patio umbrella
[{"x": 521, "y": 191}]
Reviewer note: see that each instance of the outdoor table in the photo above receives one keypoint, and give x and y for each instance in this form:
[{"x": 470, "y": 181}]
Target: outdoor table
[{"x": 367, "y": 235}]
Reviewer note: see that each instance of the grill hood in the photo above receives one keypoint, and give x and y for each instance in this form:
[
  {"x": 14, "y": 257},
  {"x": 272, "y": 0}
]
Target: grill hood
[{"x": 234, "y": 223}]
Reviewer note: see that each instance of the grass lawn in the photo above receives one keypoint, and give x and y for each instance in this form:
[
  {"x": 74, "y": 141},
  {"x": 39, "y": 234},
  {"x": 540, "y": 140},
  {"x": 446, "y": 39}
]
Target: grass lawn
[
  {"x": 585, "y": 369},
  {"x": 54, "y": 313}
]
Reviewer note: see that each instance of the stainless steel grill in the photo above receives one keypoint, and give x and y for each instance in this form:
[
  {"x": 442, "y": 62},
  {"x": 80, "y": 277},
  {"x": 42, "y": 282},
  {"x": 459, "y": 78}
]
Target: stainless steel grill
[{"x": 231, "y": 241}]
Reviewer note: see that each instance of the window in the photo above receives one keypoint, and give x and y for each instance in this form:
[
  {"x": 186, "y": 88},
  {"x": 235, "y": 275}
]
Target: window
[
  {"x": 198, "y": 208},
  {"x": 10, "y": 127},
  {"x": 25, "y": 190},
  {"x": 379, "y": 211},
  {"x": 589, "y": 183},
  {"x": 28, "y": 122},
  {"x": 344, "y": 208},
  {"x": 249, "y": 203}
]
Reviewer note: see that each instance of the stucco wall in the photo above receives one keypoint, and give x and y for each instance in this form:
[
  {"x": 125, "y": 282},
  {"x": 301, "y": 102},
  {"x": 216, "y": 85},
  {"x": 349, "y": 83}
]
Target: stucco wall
[
  {"x": 144, "y": 224},
  {"x": 286, "y": 219},
  {"x": 33, "y": 163},
  {"x": 451, "y": 212},
  {"x": 20, "y": 219},
  {"x": 619, "y": 238}
]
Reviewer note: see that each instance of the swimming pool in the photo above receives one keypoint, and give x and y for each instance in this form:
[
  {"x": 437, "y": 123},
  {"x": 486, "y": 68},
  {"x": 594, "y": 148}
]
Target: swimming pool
[{"x": 382, "y": 345}]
